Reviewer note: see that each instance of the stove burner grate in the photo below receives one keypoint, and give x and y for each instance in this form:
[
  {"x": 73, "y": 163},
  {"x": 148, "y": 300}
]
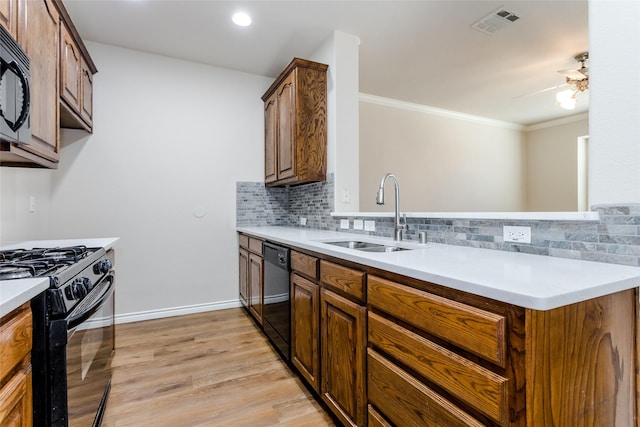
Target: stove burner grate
[{"x": 38, "y": 262}]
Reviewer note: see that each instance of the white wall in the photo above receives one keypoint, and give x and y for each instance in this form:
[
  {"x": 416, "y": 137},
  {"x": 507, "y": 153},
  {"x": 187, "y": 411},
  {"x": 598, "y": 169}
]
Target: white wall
[
  {"x": 551, "y": 157},
  {"x": 340, "y": 52},
  {"x": 444, "y": 162},
  {"x": 170, "y": 137},
  {"x": 614, "y": 143},
  {"x": 17, "y": 186}
]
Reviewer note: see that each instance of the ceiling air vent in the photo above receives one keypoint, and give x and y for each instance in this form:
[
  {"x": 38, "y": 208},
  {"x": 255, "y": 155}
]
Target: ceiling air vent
[{"x": 495, "y": 21}]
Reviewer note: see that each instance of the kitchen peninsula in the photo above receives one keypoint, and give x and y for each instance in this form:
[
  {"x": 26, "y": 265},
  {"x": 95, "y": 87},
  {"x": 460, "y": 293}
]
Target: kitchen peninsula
[{"x": 479, "y": 337}]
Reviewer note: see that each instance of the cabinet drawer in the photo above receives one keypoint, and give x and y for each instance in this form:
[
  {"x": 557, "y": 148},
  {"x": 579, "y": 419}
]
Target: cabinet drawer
[
  {"x": 342, "y": 278},
  {"x": 471, "y": 383},
  {"x": 478, "y": 331},
  {"x": 15, "y": 400},
  {"x": 255, "y": 245},
  {"x": 406, "y": 401},
  {"x": 15, "y": 339},
  {"x": 244, "y": 241},
  {"x": 304, "y": 264},
  {"x": 375, "y": 419}
]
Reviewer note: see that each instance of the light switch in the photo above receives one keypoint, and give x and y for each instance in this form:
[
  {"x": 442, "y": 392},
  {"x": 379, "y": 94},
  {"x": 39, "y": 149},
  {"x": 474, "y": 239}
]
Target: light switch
[
  {"x": 369, "y": 226},
  {"x": 357, "y": 224},
  {"x": 344, "y": 224}
]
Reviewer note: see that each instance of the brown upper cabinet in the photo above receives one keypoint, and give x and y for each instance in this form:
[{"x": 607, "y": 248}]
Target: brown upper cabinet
[
  {"x": 76, "y": 80},
  {"x": 9, "y": 16},
  {"x": 45, "y": 32},
  {"x": 295, "y": 128}
]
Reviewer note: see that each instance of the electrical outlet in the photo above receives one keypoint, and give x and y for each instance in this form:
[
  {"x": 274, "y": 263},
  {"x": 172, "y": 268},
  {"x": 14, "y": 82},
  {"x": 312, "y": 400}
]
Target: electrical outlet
[
  {"x": 344, "y": 224},
  {"x": 346, "y": 196},
  {"x": 516, "y": 234},
  {"x": 369, "y": 226},
  {"x": 303, "y": 221},
  {"x": 357, "y": 224}
]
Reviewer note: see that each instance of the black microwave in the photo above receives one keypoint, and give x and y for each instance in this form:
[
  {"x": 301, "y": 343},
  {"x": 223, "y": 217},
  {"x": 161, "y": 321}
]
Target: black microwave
[{"x": 15, "y": 123}]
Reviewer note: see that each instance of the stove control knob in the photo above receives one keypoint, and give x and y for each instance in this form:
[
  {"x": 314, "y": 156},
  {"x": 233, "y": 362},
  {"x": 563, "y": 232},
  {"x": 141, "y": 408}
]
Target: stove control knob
[
  {"x": 102, "y": 267},
  {"x": 77, "y": 288},
  {"x": 87, "y": 283}
]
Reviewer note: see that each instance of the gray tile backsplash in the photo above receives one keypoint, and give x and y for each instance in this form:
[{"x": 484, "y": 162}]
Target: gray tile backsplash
[
  {"x": 257, "y": 205},
  {"x": 615, "y": 238}
]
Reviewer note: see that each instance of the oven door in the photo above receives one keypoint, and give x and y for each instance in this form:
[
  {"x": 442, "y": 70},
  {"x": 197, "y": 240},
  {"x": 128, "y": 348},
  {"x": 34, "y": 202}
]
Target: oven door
[{"x": 89, "y": 352}]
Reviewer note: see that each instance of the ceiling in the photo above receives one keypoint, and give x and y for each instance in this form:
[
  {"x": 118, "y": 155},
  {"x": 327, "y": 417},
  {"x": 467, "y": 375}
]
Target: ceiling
[{"x": 423, "y": 52}]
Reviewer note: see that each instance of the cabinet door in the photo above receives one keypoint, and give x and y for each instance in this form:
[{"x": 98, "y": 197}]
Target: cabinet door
[
  {"x": 243, "y": 260},
  {"x": 38, "y": 34},
  {"x": 86, "y": 93},
  {"x": 305, "y": 332},
  {"x": 270, "y": 140},
  {"x": 255, "y": 286},
  {"x": 9, "y": 16},
  {"x": 15, "y": 400},
  {"x": 286, "y": 128},
  {"x": 69, "y": 69},
  {"x": 343, "y": 326}
]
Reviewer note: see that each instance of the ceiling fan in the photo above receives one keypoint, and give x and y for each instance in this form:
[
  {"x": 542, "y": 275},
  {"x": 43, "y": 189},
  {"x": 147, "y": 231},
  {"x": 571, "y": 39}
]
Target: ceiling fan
[
  {"x": 577, "y": 80},
  {"x": 579, "y": 77}
]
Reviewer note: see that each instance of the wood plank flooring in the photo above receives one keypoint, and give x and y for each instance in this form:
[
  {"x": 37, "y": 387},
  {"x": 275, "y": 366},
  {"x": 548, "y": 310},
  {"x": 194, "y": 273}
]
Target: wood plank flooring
[{"x": 209, "y": 369}]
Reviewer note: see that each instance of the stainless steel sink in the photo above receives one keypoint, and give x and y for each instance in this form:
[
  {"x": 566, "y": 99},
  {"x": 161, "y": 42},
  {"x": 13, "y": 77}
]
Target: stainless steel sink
[{"x": 366, "y": 246}]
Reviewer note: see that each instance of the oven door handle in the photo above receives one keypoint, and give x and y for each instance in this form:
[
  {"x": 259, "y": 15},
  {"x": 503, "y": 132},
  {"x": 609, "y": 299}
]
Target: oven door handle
[{"x": 75, "y": 320}]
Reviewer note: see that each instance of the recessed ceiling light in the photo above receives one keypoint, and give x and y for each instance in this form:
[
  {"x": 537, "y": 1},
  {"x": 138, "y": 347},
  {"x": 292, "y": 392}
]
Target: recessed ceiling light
[{"x": 241, "y": 19}]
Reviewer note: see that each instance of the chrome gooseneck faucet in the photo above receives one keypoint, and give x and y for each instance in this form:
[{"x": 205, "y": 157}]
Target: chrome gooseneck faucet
[{"x": 397, "y": 227}]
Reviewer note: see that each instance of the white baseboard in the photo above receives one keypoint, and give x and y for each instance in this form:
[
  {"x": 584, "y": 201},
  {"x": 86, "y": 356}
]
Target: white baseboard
[{"x": 175, "y": 311}]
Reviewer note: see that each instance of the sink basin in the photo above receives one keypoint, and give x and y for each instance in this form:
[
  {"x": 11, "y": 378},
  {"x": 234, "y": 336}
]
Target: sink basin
[
  {"x": 366, "y": 246},
  {"x": 383, "y": 248}
]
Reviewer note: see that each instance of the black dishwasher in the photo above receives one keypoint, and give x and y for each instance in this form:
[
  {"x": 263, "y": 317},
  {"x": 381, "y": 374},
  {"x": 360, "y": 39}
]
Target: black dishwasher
[{"x": 276, "y": 312}]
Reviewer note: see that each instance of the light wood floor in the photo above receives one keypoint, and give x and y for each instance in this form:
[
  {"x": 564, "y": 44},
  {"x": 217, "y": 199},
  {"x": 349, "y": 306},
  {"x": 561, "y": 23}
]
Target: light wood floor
[{"x": 209, "y": 369}]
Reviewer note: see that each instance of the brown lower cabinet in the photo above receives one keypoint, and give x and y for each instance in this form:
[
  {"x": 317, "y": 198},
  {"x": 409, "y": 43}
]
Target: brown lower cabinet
[
  {"x": 256, "y": 264},
  {"x": 305, "y": 329},
  {"x": 243, "y": 262},
  {"x": 343, "y": 376},
  {"x": 383, "y": 349},
  {"x": 251, "y": 279},
  {"x": 15, "y": 368}
]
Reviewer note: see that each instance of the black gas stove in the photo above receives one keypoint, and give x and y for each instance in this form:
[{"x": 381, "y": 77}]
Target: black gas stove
[
  {"x": 72, "y": 271},
  {"x": 73, "y": 331}
]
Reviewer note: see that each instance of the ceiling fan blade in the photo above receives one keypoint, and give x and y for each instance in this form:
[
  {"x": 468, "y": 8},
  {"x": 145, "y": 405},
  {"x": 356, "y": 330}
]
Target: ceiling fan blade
[
  {"x": 573, "y": 74},
  {"x": 542, "y": 91}
]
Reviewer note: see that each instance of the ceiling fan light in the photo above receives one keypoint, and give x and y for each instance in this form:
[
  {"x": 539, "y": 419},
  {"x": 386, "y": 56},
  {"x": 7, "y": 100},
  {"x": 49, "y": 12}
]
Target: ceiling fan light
[
  {"x": 567, "y": 99},
  {"x": 565, "y": 95},
  {"x": 569, "y": 104}
]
